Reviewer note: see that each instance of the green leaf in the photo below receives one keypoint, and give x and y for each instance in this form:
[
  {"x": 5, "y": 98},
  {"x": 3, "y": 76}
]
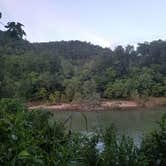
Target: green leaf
[
  {"x": 14, "y": 137},
  {"x": 23, "y": 153}
]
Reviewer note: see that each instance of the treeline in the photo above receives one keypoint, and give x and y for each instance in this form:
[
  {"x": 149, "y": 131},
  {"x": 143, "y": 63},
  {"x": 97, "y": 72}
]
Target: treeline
[
  {"x": 35, "y": 138},
  {"x": 79, "y": 71}
]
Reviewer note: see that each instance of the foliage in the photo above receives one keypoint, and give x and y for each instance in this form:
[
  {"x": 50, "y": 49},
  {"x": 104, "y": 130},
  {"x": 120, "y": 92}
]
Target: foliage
[
  {"x": 120, "y": 150},
  {"x": 36, "y": 73},
  {"x": 154, "y": 145},
  {"x": 12, "y": 105},
  {"x": 78, "y": 71},
  {"x": 15, "y": 30},
  {"x": 74, "y": 71},
  {"x": 55, "y": 97},
  {"x": 35, "y": 138}
]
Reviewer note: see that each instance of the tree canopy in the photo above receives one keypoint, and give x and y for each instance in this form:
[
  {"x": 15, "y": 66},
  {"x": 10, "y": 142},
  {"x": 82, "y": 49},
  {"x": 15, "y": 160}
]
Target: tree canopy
[
  {"x": 15, "y": 30},
  {"x": 76, "y": 70}
]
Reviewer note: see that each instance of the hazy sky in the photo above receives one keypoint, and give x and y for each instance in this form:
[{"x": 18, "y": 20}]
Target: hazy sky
[{"x": 104, "y": 22}]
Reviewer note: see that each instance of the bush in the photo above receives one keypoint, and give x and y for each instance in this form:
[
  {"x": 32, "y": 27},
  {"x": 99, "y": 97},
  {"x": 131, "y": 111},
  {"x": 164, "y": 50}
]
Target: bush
[
  {"x": 12, "y": 105},
  {"x": 154, "y": 145},
  {"x": 31, "y": 138},
  {"x": 35, "y": 138},
  {"x": 42, "y": 94},
  {"x": 89, "y": 154},
  {"x": 55, "y": 97},
  {"x": 119, "y": 151}
]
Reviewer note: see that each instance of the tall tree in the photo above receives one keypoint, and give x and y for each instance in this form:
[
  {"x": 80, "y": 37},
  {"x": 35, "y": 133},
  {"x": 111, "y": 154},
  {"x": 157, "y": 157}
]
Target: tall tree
[{"x": 15, "y": 30}]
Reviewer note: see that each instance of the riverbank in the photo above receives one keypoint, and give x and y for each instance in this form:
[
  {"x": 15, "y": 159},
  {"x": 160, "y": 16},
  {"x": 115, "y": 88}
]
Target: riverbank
[{"x": 101, "y": 105}]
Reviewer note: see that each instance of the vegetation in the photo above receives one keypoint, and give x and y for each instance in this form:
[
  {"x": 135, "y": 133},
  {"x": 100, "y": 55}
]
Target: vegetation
[
  {"x": 78, "y": 71},
  {"x": 34, "y": 138},
  {"x": 74, "y": 71}
]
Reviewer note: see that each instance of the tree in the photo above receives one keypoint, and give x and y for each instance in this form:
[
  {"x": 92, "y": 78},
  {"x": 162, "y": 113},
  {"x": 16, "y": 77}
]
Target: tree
[
  {"x": 15, "y": 30},
  {"x": 89, "y": 91},
  {"x": 0, "y": 18}
]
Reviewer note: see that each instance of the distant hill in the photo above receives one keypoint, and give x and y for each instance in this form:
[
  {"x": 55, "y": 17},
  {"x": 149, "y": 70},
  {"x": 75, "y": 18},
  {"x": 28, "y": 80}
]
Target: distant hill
[{"x": 76, "y": 70}]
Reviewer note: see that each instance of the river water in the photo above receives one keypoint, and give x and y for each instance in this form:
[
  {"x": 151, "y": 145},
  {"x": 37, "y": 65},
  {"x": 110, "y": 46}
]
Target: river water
[{"x": 134, "y": 123}]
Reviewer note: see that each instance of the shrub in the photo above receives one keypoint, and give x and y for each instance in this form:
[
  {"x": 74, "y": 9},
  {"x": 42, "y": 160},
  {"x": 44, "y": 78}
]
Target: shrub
[
  {"x": 154, "y": 145},
  {"x": 120, "y": 151},
  {"x": 35, "y": 138},
  {"x": 55, "y": 97},
  {"x": 12, "y": 105}
]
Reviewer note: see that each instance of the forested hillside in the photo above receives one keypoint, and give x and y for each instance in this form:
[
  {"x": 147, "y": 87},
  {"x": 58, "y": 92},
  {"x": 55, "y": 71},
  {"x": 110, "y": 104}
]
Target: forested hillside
[{"x": 79, "y": 71}]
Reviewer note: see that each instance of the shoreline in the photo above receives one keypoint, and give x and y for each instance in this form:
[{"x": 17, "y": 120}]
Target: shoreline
[{"x": 102, "y": 105}]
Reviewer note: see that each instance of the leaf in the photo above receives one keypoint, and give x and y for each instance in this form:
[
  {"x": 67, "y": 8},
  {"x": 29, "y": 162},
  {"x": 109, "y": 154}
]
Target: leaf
[
  {"x": 14, "y": 137},
  {"x": 23, "y": 153},
  {"x": 39, "y": 161}
]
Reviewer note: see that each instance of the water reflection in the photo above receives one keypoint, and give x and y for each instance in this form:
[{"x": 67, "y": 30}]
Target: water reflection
[{"x": 133, "y": 123}]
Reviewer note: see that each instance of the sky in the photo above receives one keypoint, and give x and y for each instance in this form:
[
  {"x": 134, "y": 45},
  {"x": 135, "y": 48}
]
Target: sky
[{"x": 107, "y": 23}]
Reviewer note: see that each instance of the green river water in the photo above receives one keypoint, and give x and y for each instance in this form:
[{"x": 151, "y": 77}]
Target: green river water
[{"x": 134, "y": 123}]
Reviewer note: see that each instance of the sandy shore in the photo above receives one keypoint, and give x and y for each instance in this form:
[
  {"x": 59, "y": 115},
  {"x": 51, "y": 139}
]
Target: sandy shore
[{"x": 101, "y": 105}]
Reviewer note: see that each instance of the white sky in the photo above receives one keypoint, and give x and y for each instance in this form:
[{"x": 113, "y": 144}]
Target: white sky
[{"x": 103, "y": 22}]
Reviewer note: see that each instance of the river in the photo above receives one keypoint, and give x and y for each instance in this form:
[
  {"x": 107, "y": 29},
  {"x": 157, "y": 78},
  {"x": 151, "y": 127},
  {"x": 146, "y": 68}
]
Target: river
[{"x": 134, "y": 123}]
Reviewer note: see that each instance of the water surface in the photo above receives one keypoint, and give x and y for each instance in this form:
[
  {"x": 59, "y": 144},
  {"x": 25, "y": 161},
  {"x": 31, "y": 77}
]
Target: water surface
[{"x": 134, "y": 123}]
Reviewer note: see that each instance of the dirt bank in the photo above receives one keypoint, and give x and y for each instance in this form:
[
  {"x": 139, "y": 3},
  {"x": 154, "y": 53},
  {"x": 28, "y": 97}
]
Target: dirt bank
[{"x": 101, "y": 105}]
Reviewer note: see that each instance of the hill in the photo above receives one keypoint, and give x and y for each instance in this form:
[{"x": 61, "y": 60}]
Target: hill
[{"x": 75, "y": 70}]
